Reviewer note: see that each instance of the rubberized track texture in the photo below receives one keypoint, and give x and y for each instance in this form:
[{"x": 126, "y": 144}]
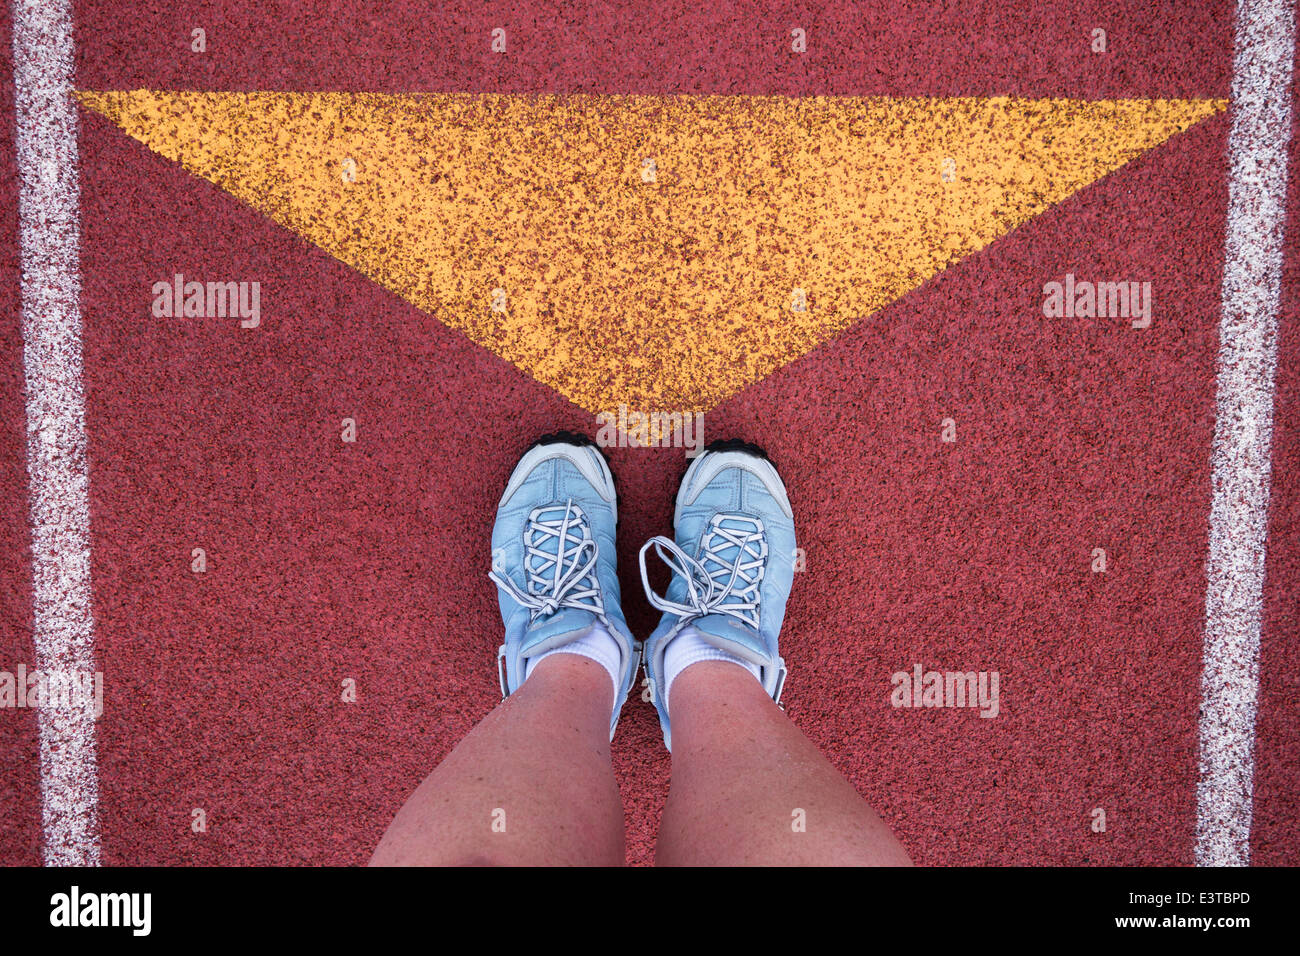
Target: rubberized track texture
[{"x": 866, "y": 237}]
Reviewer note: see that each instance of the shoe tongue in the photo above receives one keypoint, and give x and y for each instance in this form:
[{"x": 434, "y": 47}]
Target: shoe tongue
[
  {"x": 724, "y": 632},
  {"x": 565, "y": 625}
]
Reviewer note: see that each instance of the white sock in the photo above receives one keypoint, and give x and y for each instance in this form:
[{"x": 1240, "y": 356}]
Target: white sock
[
  {"x": 597, "y": 644},
  {"x": 689, "y": 648}
]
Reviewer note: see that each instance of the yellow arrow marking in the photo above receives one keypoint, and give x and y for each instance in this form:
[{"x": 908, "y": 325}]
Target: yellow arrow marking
[{"x": 668, "y": 286}]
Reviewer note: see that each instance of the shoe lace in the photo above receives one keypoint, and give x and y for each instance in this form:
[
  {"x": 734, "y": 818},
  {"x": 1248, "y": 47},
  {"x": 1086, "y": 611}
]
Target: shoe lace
[
  {"x": 559, "y": 563},
  {"x": 725, "y": 576}
]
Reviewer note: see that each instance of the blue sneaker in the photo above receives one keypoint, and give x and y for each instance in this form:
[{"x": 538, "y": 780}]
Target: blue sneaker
[
  {"x": 732, "y": 564},
  {"x": 553, "y": 558}
]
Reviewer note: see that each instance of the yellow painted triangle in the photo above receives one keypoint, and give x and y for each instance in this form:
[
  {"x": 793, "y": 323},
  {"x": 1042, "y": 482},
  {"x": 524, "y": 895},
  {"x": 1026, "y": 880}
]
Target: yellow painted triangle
[{"x": 662, "y": 252}]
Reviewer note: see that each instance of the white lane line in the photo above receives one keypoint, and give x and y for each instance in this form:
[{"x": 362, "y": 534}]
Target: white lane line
[
  {"x": 49, "y": 239},
  {"x": 1243, "y": 432}
]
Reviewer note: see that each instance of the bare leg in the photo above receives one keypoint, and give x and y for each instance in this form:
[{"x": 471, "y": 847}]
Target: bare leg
[
  {"x": 742, "y": 770},
  {"x": 538, "y": 765}
]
